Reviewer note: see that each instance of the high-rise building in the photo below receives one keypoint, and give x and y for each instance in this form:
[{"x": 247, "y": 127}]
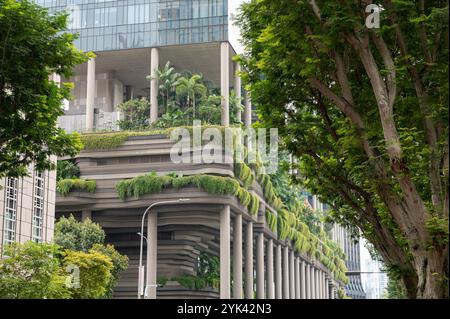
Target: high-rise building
[
  {"x": 351, "y": 248},
  {"x": 132, "y": 39},
  {"x": 27, "y": 207},
  {"x": 374, "y": 277}
]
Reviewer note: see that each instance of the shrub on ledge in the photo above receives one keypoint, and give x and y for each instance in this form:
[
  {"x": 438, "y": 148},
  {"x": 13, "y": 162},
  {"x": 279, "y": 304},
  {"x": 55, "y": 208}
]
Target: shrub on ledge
[{"x": 65, "y": 186}]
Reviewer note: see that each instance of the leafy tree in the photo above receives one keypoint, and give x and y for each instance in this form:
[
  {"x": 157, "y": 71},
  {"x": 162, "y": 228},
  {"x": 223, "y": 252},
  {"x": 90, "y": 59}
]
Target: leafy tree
[
  {"x": 191, "y": 87},
  {"x": 136, "y": 114},
  {"x": 365, "y": 111},
  {"x": 89, "y": 237},
  {"x": 73, "y": 235},
  {"x": 120, "y": 263},
  {"x": 94, "y": 273},
  {"x": 34, "y": 46},
  {"x": 32, "y": 271}
]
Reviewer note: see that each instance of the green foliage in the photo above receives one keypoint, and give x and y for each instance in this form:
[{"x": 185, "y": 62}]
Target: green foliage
[
  {"x": 191, "y": 282},
  {"x": 89, "y": 237},
  {"x": 322, "y": 82},
  {"x": 271, "y": 220},
  {"x": 66, "y": 170},
  {"x": 32, "y": 271},
  {"x": 152, "y": 183},
  {"x": 34, "y": 45},
  {"x": 103, "y": 141},
  {"x": 80, "y": 236},
  {"x": 119, "y": 262},
  {"x": 438, "y": 230},
  {"x": 136, "y": 114},
  {"x": 94, "y": 270},
  {"x": 244, "y": 173},
  {"x": 65, "y": 186},
  {"x": 208, "y": 268}
]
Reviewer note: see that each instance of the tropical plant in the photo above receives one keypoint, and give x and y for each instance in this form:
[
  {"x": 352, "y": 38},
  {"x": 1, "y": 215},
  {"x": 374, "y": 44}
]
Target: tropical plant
[
  {"x": 136, "y": 113},
  {"x": 167, "y": 79},
  {"x": 191, "y": 87}
]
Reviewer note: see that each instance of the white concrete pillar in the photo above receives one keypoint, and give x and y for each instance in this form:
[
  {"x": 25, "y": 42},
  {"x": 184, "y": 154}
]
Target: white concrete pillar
[
  {"x": 90, "y": 95},
  {"x": 317, "y": 285},
  {"x": 321, "y": 284},
  {"x": 297, "y": 278},
  {"x": 286, "y": 278},
  {"x": 152, "y": 254},
  {"x": 237, "y": 88},
  {"x": 313, "y": 282},
  {"x": 225, "y": 252},
  {"x": 225, "y": 82},
  {"x": 260, "y": 266},
  {"x": 278, "y": 273},
  {"x": 247, "y": 110},
  {"x": 307, "y": 281},
  {"x": 249, "y": 261},
  {"x": 327, "y": 288},
  {"x": 302, "y": 280},
  {"x": 291, "y": 275},
  {"x": 237, "y": 257},
  {"x": 154, "y": 66},
  {"x": 270, "y": 282}
]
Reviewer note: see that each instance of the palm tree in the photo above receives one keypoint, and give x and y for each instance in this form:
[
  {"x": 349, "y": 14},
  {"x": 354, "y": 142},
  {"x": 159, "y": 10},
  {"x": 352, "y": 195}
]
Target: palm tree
[
  {"x": 190, "y": 86},
  {"x": 166, "y": 77}
]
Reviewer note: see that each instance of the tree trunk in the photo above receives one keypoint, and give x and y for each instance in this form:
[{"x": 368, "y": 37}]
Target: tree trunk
[{"x": 432, "y": 269}]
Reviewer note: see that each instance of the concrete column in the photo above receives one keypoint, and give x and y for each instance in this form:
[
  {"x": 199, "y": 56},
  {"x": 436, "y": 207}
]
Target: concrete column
[
  {"x": 225, "y": 82},
  {"x": 260, "y": 266},
  {"x": 154, "y": 66},
  {"x": 249, "y": 261},
  {"x": 237, "y": 88},
  {"x": 313, "y": 282},
  {"x": 324, "y": 286},
  {"x": 225, "y": 252},
  {"x": 90, "y": 95},
  {"x": 291, "y": 274},
  {"x": 152, "y": 254},
  {"x": 286, "y": 278},
  {"x": 303, "y": 281},
  {"x": 327, "y": 288},
  {"x": 307, "y": 281},
  {"x": 237, "y": 257},
  {"x": 86, "y": 214},
  {"x": 321, "y": 283},
  {"x": 270, "y": 282},
  {"x": 247, "y": 110},
  {"x": 297, "y": 278},
  {"x": 278, "y": 273},
  {"x": 317, "y": 285}
]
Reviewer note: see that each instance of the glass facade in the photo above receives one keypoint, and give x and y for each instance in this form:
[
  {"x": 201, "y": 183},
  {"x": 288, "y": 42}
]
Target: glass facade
[
  {"x": 38, "y": 207},
  {"x": 105, "y": 25},
  {"x": 9, "y": 221}
]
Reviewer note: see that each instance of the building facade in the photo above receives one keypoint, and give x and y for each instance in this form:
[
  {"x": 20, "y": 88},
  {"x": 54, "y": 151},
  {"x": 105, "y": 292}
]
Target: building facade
[
  {"x": 341, "y": 235},
  {"x": 131, "y": 40},
  {"x": 27, "y": 207}
]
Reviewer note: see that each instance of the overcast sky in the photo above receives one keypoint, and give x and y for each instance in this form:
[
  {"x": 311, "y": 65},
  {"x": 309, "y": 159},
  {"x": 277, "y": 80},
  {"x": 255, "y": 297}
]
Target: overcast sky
[{"x": 233, "y": 31}]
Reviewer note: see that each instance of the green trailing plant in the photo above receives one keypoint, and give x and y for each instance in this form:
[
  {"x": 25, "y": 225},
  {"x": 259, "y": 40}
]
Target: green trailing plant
[
  {"x": 152, "y": 183},
  {"x": 244, "y": 173},
  {"x": 271, "y": 220},
  {"x": 437, "y": 227},
  {"x": 65, "y": 186}
]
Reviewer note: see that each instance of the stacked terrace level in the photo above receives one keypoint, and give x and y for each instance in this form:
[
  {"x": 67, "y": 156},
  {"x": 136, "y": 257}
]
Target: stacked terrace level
[
  {"x": 249, "y": 249},
  {"x": 131, "y": 40}
]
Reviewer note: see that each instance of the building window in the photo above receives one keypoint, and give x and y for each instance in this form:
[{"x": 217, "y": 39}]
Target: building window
[
  {"x": 38, "y": 207},
  {"x": 9, "y": 223}
]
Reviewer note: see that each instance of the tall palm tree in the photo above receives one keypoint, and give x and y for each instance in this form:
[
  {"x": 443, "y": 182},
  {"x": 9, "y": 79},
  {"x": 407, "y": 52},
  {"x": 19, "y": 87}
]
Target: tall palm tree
[
  {"x": 166, "y": 77},
  {"x": 190, "y": 86}
]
